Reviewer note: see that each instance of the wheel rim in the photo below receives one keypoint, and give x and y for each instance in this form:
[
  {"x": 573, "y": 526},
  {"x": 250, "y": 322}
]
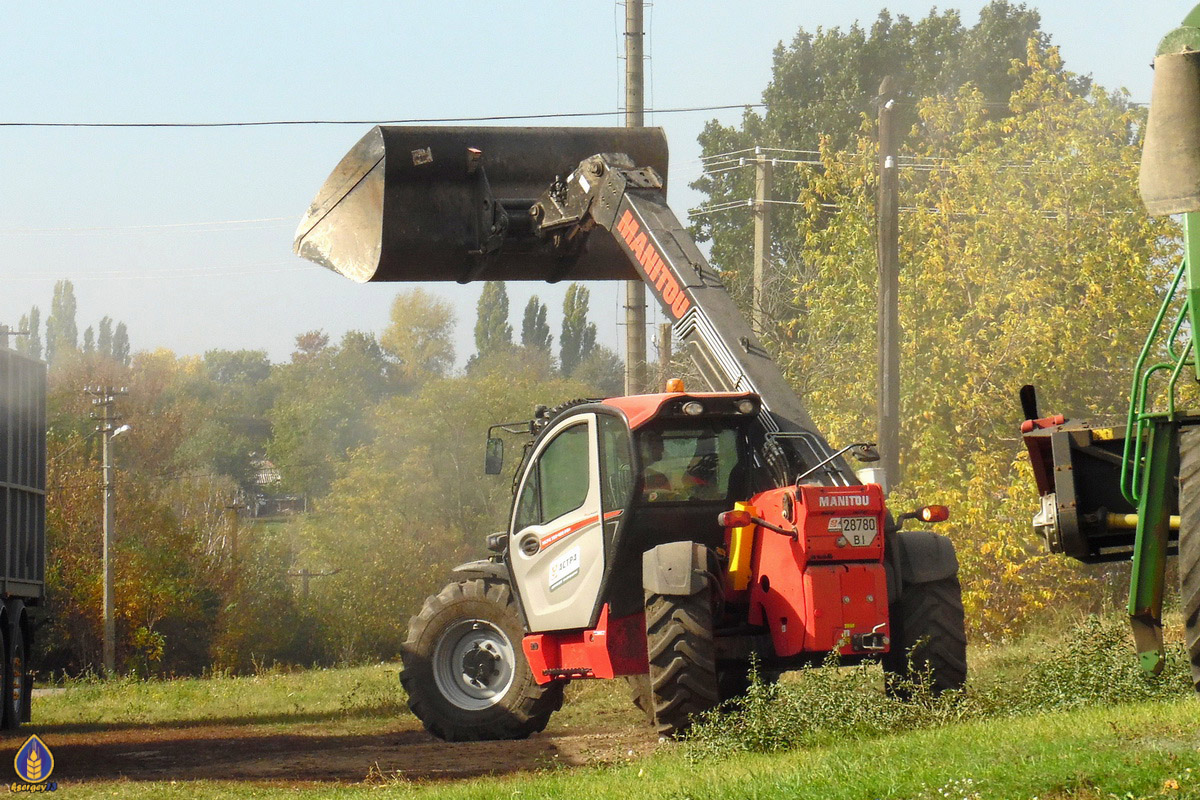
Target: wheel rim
[{"x": 474, "y": 664}]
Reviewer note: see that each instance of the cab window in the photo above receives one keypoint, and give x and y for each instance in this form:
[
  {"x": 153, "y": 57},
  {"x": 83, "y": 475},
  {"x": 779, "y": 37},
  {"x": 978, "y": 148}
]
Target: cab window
[
  {"x": 687, "y": 464},
  {"x": 558, "y": 483}
]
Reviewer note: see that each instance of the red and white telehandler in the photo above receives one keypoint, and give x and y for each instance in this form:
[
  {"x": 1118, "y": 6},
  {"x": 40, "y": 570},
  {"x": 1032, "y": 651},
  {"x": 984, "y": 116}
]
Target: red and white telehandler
[{"x": 674, "y": 539}]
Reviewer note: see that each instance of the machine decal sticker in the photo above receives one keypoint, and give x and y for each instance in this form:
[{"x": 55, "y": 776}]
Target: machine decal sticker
[
  {"x": 422, "y": 155},
  {"x": 564, "y": 568},
  {"x": 658, "y": 277},
  {"x": 563, "y": 533}
]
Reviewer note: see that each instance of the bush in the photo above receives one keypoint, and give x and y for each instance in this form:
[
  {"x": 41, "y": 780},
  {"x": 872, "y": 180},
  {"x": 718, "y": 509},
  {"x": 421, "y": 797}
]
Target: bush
[{"x": 1093, "y": 664}]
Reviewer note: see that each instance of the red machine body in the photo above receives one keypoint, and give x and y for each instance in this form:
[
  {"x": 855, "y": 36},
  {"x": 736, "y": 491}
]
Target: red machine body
[
  {"x": 826, "y": 588},
  {"x": 821, "y": 590}
]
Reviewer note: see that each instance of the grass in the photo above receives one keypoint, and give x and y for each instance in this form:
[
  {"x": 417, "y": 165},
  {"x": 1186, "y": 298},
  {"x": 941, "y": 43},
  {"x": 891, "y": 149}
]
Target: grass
[
  {"x": 1048, "y": 718},
  {"x": 1146, "y": 750}
]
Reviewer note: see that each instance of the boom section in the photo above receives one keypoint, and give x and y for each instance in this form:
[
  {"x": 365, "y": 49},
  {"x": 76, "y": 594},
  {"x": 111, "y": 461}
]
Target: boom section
[{"x": 609, "y": 191}]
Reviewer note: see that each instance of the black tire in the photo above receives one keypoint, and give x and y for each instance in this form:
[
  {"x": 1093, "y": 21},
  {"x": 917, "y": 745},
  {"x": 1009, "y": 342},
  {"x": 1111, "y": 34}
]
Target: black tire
[
  {"x": 15, "y": 666},
  {"x": 1189, "y": 544},
  {"x": 683, "y": 668},
  {"x": 928, "y": 638},
  {"x": 465, "y": 673},
  {"x": 639, "y": 695}
]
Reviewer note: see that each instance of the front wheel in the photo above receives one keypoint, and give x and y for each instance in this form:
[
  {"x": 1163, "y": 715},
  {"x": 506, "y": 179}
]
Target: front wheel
[
  {"x": 929, "y": 639},
  {"x": 464, "y": 671}
]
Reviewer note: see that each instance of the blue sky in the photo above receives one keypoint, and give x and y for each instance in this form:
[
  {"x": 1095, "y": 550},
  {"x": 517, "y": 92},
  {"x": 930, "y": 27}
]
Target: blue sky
[{"x": 124, "y": 213}]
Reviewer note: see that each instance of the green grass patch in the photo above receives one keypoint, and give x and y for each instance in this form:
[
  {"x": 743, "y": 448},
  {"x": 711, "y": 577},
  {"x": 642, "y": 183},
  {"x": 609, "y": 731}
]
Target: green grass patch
[{"x": 270, "y": 697}]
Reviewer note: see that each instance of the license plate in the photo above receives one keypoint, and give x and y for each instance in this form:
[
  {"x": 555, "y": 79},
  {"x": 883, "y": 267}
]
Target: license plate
[{"x": 859, "y": 531}]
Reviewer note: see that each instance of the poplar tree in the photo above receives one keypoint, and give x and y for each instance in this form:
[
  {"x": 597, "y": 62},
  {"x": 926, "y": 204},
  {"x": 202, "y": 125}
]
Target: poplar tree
[
  {"x": 62, "y": 334},
  {"x": 492, "y": 331},
  {"x": 578, "y": 336},
  {"x": 535, "y": 332}
]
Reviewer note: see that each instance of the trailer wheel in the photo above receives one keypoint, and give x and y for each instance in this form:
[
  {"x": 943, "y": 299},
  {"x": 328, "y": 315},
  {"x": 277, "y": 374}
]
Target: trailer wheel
[
  {"x": 683, "y": 668},
  {"x": 466, "y": 676},
  {"x": 928, "y": 639},
  {"x": 14, "y": 677},
  {"x": 1189, "y": 543}
]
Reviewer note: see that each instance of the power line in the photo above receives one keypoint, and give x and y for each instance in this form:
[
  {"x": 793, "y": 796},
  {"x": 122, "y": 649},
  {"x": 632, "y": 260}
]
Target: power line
[
  {"x": 220, "y": 224},
  {"x": 410, "y": 121}
]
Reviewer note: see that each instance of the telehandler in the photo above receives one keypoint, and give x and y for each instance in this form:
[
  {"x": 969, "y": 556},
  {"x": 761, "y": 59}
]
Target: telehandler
[{"x": 675, "y": 538}]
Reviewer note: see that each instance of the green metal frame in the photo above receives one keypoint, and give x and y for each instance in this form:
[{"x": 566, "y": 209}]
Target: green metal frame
[
  {"x": 1150, "y": 466},
  {"x": 1151, "y": 459}
]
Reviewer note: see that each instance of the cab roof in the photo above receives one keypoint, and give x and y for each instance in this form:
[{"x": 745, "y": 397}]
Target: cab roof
[{"x": 640, "y": 409}]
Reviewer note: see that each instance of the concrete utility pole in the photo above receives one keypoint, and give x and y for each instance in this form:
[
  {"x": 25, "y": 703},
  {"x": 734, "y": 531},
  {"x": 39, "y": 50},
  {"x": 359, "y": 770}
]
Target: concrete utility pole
[
  {"x": 763, "y": 174},
  {"x": 635, "y": 291},
  {"x": 888, "y": 292},
  {"x": 105, "y": 397}
]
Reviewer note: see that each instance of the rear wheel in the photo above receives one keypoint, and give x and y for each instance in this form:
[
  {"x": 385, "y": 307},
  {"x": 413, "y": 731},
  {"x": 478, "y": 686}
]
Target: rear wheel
[
  {"x": 464, "y": 671},
  {"x": 1189, "y": 543},
  {"x": 929, "y": 640},
  {"x": 683, "y": 669}
]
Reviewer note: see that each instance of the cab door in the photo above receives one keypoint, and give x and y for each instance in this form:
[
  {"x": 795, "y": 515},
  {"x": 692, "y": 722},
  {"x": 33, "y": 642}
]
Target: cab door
[{"x": 556, "y": 539}]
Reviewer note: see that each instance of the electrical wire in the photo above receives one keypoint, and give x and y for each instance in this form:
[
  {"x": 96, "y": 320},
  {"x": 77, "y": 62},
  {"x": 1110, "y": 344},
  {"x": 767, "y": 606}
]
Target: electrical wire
[{"x": 408, "y": 121}]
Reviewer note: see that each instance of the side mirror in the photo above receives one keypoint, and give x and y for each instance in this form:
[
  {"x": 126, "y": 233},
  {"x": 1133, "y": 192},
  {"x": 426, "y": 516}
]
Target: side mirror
[
  {"x": 865, "y": 453},
  {"x": 493, "y": 460}
]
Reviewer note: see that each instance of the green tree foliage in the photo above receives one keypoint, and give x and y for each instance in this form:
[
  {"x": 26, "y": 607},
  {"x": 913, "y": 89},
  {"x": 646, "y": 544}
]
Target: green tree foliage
[
  {"x": 823, "y": 84},
  {"x": 62, "y": 333},
  {"x": 323, "y": 407},
  {"x": 31, "y": 345},
  {"x": 602, "y": 371},
  {"x": 121, "y": 352},
  {"x": 492, "y": 329},
  {"x": 414, "y": 501},
  {"x": 419, "y": 337},
  {"x": 104, "y": 339},
  {"x": 1027, "y": 258},
  {"x": 89, "y": 341},
  {"x": 535, "y": 332},
  {"x": 578, "y": 336}
]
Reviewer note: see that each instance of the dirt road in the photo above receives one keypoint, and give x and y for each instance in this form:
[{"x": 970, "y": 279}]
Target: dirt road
[{"x": 308, "y": 753}]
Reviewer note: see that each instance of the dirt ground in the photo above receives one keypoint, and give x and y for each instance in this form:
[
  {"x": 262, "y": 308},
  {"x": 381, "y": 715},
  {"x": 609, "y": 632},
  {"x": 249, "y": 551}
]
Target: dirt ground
[{"x": 308, "y": 754}]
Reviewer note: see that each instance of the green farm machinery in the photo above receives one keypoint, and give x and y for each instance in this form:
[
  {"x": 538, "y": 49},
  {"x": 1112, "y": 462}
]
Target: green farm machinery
[{"x": 1112, "y": 493}]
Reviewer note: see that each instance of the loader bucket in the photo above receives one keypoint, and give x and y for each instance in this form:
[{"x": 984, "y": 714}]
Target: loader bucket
[{"x": 451, "y": 204}]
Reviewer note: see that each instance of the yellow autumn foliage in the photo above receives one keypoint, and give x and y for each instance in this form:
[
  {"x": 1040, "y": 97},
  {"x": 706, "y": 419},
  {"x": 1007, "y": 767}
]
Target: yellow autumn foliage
[{"x": 1026, "y": 258}]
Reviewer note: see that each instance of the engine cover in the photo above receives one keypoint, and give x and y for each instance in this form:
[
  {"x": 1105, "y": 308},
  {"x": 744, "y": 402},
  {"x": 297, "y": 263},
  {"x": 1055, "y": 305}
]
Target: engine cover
[{"x": 825, "y": 589}]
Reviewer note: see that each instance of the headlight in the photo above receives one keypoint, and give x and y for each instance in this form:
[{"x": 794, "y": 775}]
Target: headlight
[
  {"x": 693, "y": 409},
  {"x": 746, "y": 407}
]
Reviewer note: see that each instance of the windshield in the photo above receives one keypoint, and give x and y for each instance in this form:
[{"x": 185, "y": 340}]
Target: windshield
[{"x": 688, "y": 464}]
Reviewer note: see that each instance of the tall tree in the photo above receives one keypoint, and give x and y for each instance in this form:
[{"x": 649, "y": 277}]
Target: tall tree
[
  {"x": 120, "y": 345},
  {"x": 823, "y": 83},
  {"x": 104, "y": 339},
  {"x": 492, "y": 329},
  {"x": 31, "y": 345},
  {"x": 62, "y": 333},
  {"x": 420, "y": 335},
  {"x": 535, "y": 332},
  {"x": 578, "y": 336},
  {"x": 89, "y": 340},
  {"x": 1028, "y": 258}
]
